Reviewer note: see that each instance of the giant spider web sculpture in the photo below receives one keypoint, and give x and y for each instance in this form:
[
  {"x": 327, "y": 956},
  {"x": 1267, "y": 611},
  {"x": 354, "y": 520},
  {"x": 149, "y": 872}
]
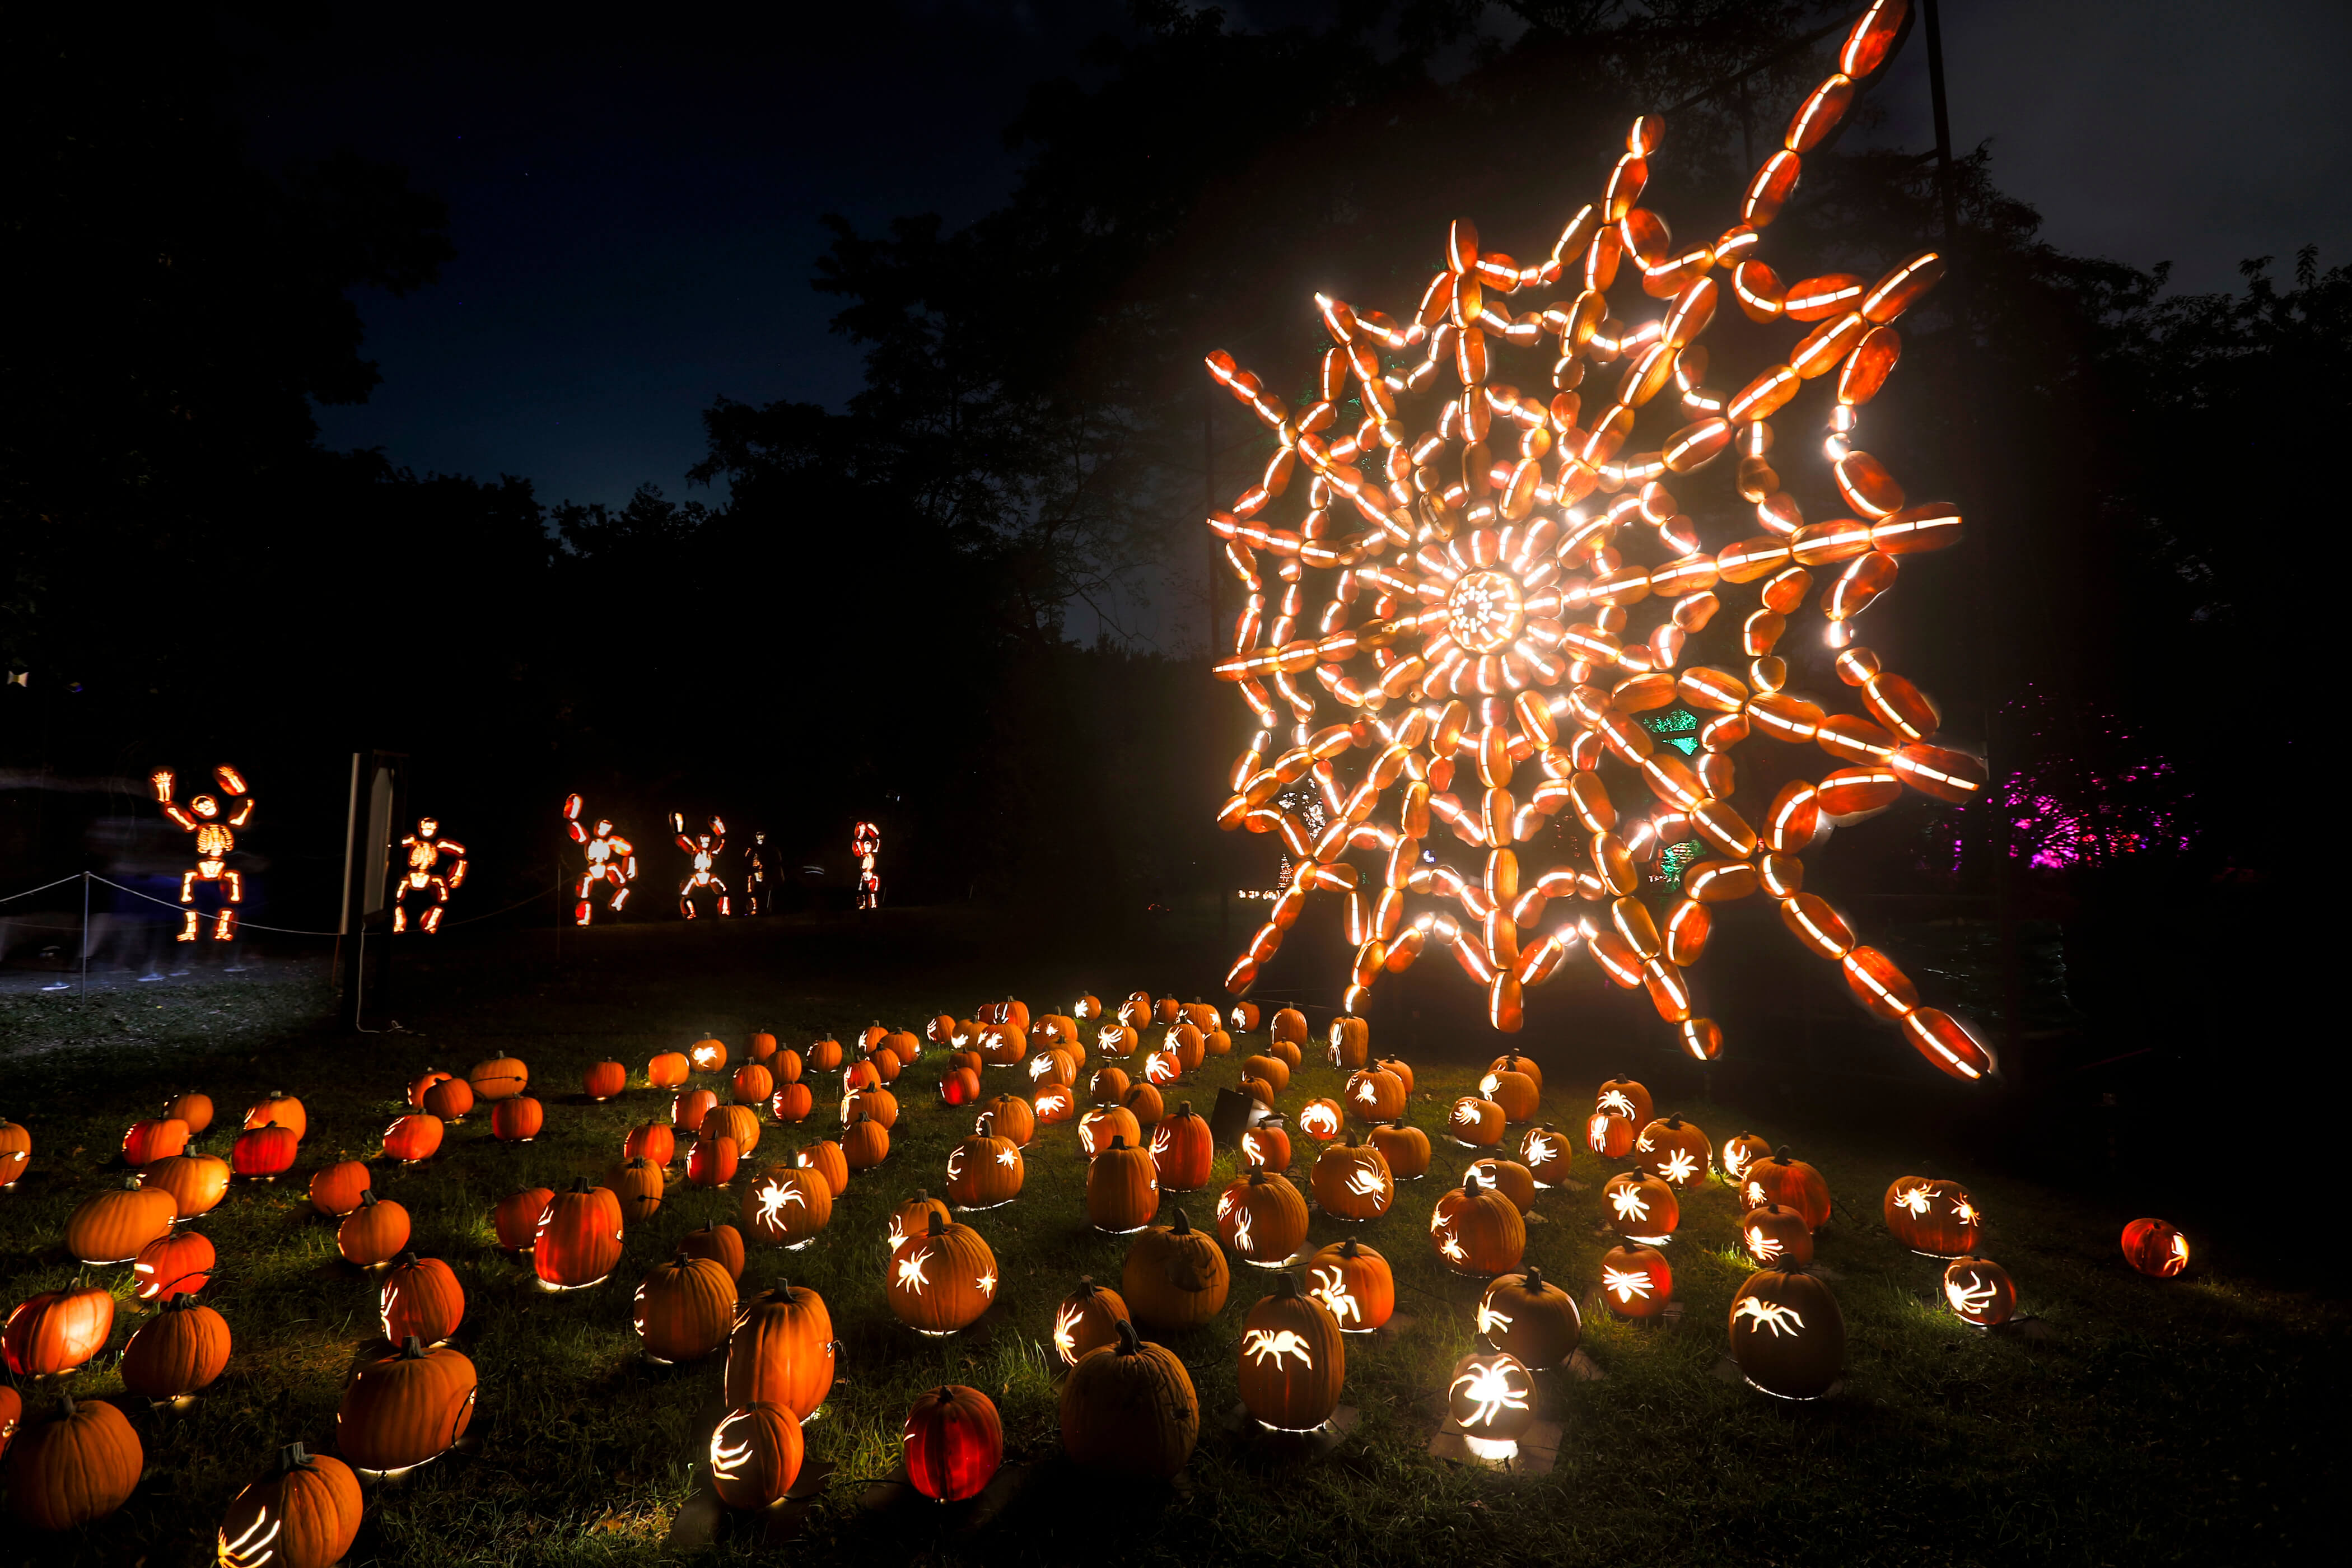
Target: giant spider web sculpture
[{"x": 1502, "y": 553}]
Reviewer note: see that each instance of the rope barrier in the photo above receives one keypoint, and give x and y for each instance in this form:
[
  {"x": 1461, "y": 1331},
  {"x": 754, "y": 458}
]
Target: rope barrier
[
  {"x": 242, "y": 924},
  {"x": 44, "y": 888}
]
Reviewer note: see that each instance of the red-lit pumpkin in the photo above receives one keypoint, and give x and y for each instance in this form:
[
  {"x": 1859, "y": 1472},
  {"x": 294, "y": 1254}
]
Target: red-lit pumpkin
[
  {"x": 414, "y": 1137},
  {"x": 266, "y": 1153},
  {"x": 421, "y": 1298},
  {"x": 517, "y": 1120},
  {"x": 158, "y": 1139},
  {"x": 176, "y": 1353},
  {"x": 516, "y": 1218},
  {"x": 755, "y": 1455},
  {"x": 2150, "y": 1245},
  {"x": 605, "y": 1079},
  {"x": 1980, "y": 1292},
  {"x": 57, "y": 1331},
  {"x": 1787, "y": 1333},
  {"x": 401, "y": 1410},
  {"x": 578, "y": 1238},
  {"x": 79, "y": 1467},
  {"x": 1087, "y": 1318},
  {"x": 1175, "y": 1277},
  {"x": 304, "y": 1514},
  {"x": 173, "y": 1263},
  {"x": 953, "y": 1443},
  {"x": 960, "y": 1086},
  {"x": 781, "y": 1351},
  {"x": 1609, "y": 1135},
  {"x": 1933, "y": 1217},
  {"x": 1129, "y": 1408},
  {"x": 1293, "y": 1360},
  {"x": 1474, "y": 1229},
  {"x": 941, "y": 1281},
  {"x": 652, "y": 1142},
  {"x": 1636, "y": 1282},
  {"x": 684, "y": 1308}
]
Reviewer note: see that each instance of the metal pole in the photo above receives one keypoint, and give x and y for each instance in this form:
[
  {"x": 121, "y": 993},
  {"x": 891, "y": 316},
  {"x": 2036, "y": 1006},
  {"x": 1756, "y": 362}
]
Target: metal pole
[
  {"x": 1943, "y": 122},
  {"x": 85, "y": 933}
]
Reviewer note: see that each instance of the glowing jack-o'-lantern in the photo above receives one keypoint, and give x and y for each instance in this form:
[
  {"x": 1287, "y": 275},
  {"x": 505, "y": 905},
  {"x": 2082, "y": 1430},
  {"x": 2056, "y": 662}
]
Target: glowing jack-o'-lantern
[
  {"x": 1105, "y": 1123},
  {"x": 1509, "y": 1177},
  {"x": 1351, "y": 1181},
  {"x": 984, "y": 1171},
  {"x": 1321, "y": 1120},
  {"x": 1262, "y": 1219},
  {"x": 2155, "y": 1248},
  {"x": 1636, "y": 1282},
  {"x": 1775, "y": 1237},
  {"x": 707, "y": 1055},
  {"x": 1673, "y": 1151},
  {"x": 1624, "y": 1097},
  {"x": 304, "y": 1514},
  {"x": 940, "y": 1281},
  {"x": 1787, "y": 1333},
  {"x": 1475, "y": 1230},
  {"x": 1641, "y": 1208},
  {"x": 1086, "y": 1320},
  {"x": 1934, "y": 1218},
  {"x": 786, "y": 1205},
  {"x": 1351, "y": 1043},
  {"x": 1266, "y": 1146},
  {"x": 1545, "y": 1153},
  {"x": 1375, "y": 1095},
  {"x": 1183, "y": 1150},
  {"x": 913, "y": 1218},
  {"x": 1293, "y": 1360},
  {"x": 685, "y": 1310},
  {"x": 406, "y": 1409},
  {"x": 1979, "y": 1292},
  {"x": 1781, "y": 1178},
  {"x": 1512, "y": 1089},
  {"x": 1356, "y": 1283},
  {"x": 1532, "y": 1318},
  {"x": 1475, "y": 1123},
  {"x": 57, "y": 1331},
  {"x": 1609, "y": 1135},
  {"x": 953, "y": 1443},
  {"x": 755, "y": 1455},
  {"x": 1740, "y": 1151},
  {"x": 1055, "y": 1104},
  {"x": 1492, "y": 1400}
]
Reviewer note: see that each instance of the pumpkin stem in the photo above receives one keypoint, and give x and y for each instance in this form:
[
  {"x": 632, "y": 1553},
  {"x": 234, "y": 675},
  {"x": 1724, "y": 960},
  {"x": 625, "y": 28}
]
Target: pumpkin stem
[
  {"x": 1532, "y": 1280},
  {"x": 1119, "y": 1140},
  {"x": 411, "y": 1349},
  {"x": 65, "y": 1405},
  {"x": 1782, "y": 1153},
  {"x": 1470, "y": 1184},
  {"x": 1257, "y": 1178},
  {"x": 367, "y": 1197},
  {"x": 579, "y": 1185},
  {"x": 938, "y": 1224},
  {"x": 1181, "y": 1225},
  {"x": 408, "y": 1260},
  {"x": 1285, "y": 1286},
  {"x": 1184, "y": 1107},
  {"x": 293, "y": 1457},
  {"x": 1129, "y": 1341}
]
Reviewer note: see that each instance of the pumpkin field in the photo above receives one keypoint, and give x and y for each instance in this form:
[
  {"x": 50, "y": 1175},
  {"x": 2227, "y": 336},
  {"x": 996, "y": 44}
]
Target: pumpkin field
[{"x": 2114, "y": 1418}]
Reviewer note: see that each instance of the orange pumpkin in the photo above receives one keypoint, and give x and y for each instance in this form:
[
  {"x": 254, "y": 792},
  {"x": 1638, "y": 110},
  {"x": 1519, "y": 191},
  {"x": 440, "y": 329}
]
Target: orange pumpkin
[
  {"x": 638, "y": 1186},
  {"x": 1509, "y": 1177},
  {"x": 1003, "y": 1045},
  {"x": 1262, "y": 1219},
  {"x": 786, "y": 1205},
  {"x": 1273, "y": 1070},
  {"x": 1105, "y": 1123},
  {"x": 781, "y": 1351},
  {"x": 877, "y": 1103},
  {"x": 1143, "y": 1103},
  {"x": 1476, "y": 1123},
  {"x": 195, "y": 1109},
  {"x": 1293, "y": 1360},
  {"x": 824, "y": 1055},
  {"x": 2152, "y": 1246},
  {"x": 57, "y": 1331},
  {"x": 1290, "y": 1024},
  {"x": 1351, "y": 1181},
  {"x": 177, "y": 1351},
  {"x": 1636, "y": 1282},
  {"x": 1118, "y": 1040},
  {"x": 865, "y": 1143},
  {"x": 755, "y": 1456},
  {"x": 280, "y": 1109},
  {"x": 1087, "y": 1319},
  {"x": 449, "y": 1099},
  {"x": 1624, "y": 1097},
  {"x": 1775, "y": 1237},
  {"x": 786, "y": 1067},
  {"x": 1351, "y": 1043},
  {"x": 578, "y": 1239},
  {"x": 1740, "y": 1151},
  {"x": 736, "y": 1121},
  {"x": 605, "y": 1079},
  {"x": 1288, "y": 1050},
  {"x": 829, "y": 1162},
  {"x": 1321, "y": 1120},
  {"x": 1122, "y": 1187},
  {"x": 421, "y": 1298},
  {"x": 517, "y": 1120},
  {"x": 666, "y": 1069},
  {"x": 1673, "y": 1151},
  {"x": 402, "y": 1410},
  {"x": 79, "y": 1467},
  {"x": 1053, "y": 1066},
  {"x": 516, "y": 1218},
  {"x": 1244, "y": 1017},
  {"x": 1175, "y": 1277},
  {"x": 1935, "y": 1218},
  {"x": 425, "y": 1082},
  {"x": 690, "y": 1107},
  {"x": 304, "y": 1514},
  {"x": 984, "y": 1171},
  {"x": 1401, "y": 1068},
  {"x": 1355, "y": 1283},
  {"x": 1129, "y": 1408},
  {"x": 1056, "y": 1104},
  {"x": 196, "y": 1182},
  {"x": 1258, "y": 1090},
  {"x": 170, "y": 1265},
  {"x": 267, "y": 1153},
  {"x": 1609, "y": 1135},
  {"x": 412, "y": 1138},
  {"x": 1514, "y": 1091},
  {"x": 1475, "y": 1230},
  {"x": 941, "y": 1281},
  {"x": 1010, "y": 1117},
  {"x": 374, "y": 1232},
  {"x": 501, "y": 1078},
  {"x": 722, "y": 1243},
  {"x": 1980, "y": 1292},
  {"x": 707, "y": 1055},
  {"x": 684, "y": 1309},
  {"x": 753, "y": 1083},
  {"x": 1643, "y": 1208},
  {"x": 1781, "y": 1178},
  {"x": 1787, "y": 1333},
  {"x": 1183, "y": 1150},
  {"x": 1532, "y": 1318},
  {"x": 1375, "y": 1095},
  {"x": 1266, "y": 1146},
  {"x": 15, "y": 1152},
  {"x": 1108, "y": 1086},
  {"x": 761, "y": 1046},
  {"x": 652, "y": 1142},
  {"x": 1546, "y": 1154},
  {"x": 158, "y": 1139},
  {"x": 791, "y": 1102},
  {"x": 112, "y": 1226}
]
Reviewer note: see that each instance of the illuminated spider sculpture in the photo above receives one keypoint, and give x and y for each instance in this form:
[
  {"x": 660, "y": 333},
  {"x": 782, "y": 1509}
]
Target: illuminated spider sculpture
[
  {"x": 1486, "y": 553},
  {"x": 424, "y": 875},
  {"x": 610, "y": 858},
  {"x": 215, "y": 837},
  {"x": 865, "y": 843},
  {"x": 704, "y": 850}
]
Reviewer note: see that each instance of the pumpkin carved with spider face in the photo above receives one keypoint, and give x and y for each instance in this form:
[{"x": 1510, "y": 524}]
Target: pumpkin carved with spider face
[
  {"x": 1530, "y": 1317},
  {"x": 786, "y": 1205},
  {"x": 1474, "y": 1229},
  {"x": 1782, "y": 1178},
  {"x": 1787, "y": 1333},
  {"x": 1262, "y": 1219},
  {"x": 1935, "y": 1218},
  {"x": 1775, "y": 1237},
  {"x": 941, "y": 1281},
  {"x": 1356, "y": 1283},
  {"x": 1675, "y": 1152},
  {"x": 2155, "y": 1248},
  {"x": 1183, "y": 1150},
  {"x": 1636, "y": 1282},
  {"x": 1105, "y": 1086},
  {"x": 1266, "y": 1146},
  {"x": 1979, "y": 1292},
  {"x": 1351, "y": 1181},
  {"x": 984, "y": 1171},
  {"x": 1086, "y": 1320},
  {"x": 1293, "y": 1360}
]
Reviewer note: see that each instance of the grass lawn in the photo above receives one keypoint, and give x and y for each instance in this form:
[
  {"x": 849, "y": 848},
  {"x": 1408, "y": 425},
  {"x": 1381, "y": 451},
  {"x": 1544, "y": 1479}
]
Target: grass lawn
[{"x": 2191, "y": 1420}]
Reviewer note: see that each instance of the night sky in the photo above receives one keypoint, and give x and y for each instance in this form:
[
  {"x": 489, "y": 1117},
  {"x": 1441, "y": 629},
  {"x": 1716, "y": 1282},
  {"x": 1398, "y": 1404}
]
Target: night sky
[{"x": 635, "y": 211}]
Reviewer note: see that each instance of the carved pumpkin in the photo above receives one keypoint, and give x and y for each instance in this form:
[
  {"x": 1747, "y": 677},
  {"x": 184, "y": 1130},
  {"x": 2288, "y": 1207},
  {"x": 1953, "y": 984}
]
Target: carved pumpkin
[
  {"x": 1143, "y": 1103},
  {"x": 197, "y": 1182},
  {"x": 786, "y": 1205},
  {"x": 1625, "y": 1098},
  {"x": 157, "y": 1139},
  {"x": 1545, "y": 1152},
  {"x": 824, "y": 1056},
  {"x": 1129, "y": 1408},
  {"x": 1003, "y": 1045},
  {"x": 449, "y": 1099},
  {"x": 1782, "y": 1179},
  {"x": 1292, "y": 1360},
  {"x": 667, "y": 1069},
  {"x": 267, "y": 1153},
  {"x": 1514, "y": 1091},
  {"x": 1321, "y": 1120},
  {"x": 374, "y": 1232},
  {"x": 1740, "y": 1151},
  {"x": 984, "y": 1171},
  {"x": 1509, "y": 1177},
  {"x": 1673, "y": 1151},
  {"x": 1777, "y": 1238},
  {"x": 2150, "y": 1245},
  {"x": 1934, "y": 1218},
  {"x": 913, "y": 1218},
  {"x": 1183, "y": 1150},
  {"x": 1136, "y": 1011},
  {"x": 177, "y": 1351},
  {"x": 1266, "y": 1146},
  {"x": 652, "y": 1142},
  {"x": 1641, "y": 1208},
  {"x": 421, "y": 1299},
  {"x": 1122, "y": 1188},
  {"x": 79, "y": 1467},
  {"x": 1474, "y": 1229},
  {"x": 1980, "y": 1292},
  {"x": 1406, "y": 1150},
  {"x": 638, "y": 1185},
  {"x": 280, "y": 1109},
  {"x": 1087, "y": 1318},
  {"x": 1273, "y": 1071},
  {"x": 1175, "y": 1277},
  {"x": 1355, "y": 1283},
  {"x": 860, "y": 1075},
  {"x": 753, "y": 1083},
  {"x": 414, "y": 1137},
  {"x": 1087, "y": 1007},
  {"x": 707, "y": 1055},
  {"x": 865, "y": 1143},
  {"x": 1491, "y": 1398},
  {"x": 57, "y": 1331},
  {"x": 781, "y": 1351},
  {"x": 1056, "y": 1103},
  {"x": 1475, "y": 1123},
  {"x": 791, "y": 1102},
  {"x": 1375, "y": 1095},
  {"x": 501, "y": 1078},
  {"x": 1351, "y": 1181},
  {"x": 755, "y": 1455},
  {"x": 304, "y": 1514},
  {"x": 1104, "y": 1123},
  {"x": 1262, "y": 1219},
  {"x": 1168, "y": 1009},
  {"x": 517, "y": 1120},
  {"x": 170, "y": 1265},
  {"x": 1106, "y": 1085},
  {"x": 605, "y": 1081},
  {"x": 1787, "y": 1333},
  {"x": 578, "y": 1238},
  {"x": 1289, "y": 1024},
  {"x": 1636, "y": 1282},
  {"x": 1244, "y": 1017},
  {"x": 870, "y": 1038},
  {"x": 940, "y": 1281},
  {"x": 110, "y": 1226},
  {"x": 407, "y": 1408},
  {"x": 739, "y": 1122},
  {"x": 960, "y": 1086},
  {"x": 722, "y": 1243},
  {"x": 1534, "y": 1319},
  {"x": 1163, "y": 1066},
  {"x": 15, "y": 1152},
  {"x": 1053, "y": 1066},
  {"x": 1351, "y": 1043},
  {"x": 1609, "y": 1135},
  {"x": 829, "y": 1162},
  {"x": 516, "y": 1218},
  {"x": 1009, "y": 1117},
  {"x": 684, "y": 1308},
  {"x": 953, "y": 1443},
  {"x": 1185, "y": 1044},
  {"x": 195, "y": 1109},
  {"x": 1117, "y": 1040}
]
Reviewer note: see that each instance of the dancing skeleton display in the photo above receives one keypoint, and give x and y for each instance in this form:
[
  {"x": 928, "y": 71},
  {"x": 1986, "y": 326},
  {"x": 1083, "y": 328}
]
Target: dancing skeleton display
[
  {"x": 215, "y": 837},
  {"x": 705, "y": 849},
  {"x": 424, "y": 875},
  {"x": 865, "y": 843},
  {"x": 610, "y": 858}
]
